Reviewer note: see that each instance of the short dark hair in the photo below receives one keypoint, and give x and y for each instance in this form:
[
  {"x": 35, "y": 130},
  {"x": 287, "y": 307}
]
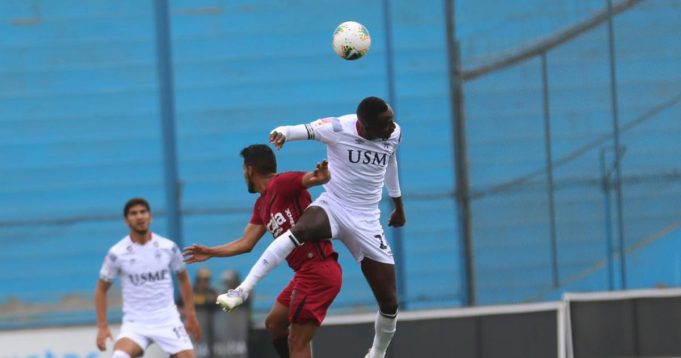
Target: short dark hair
[
  {"x": 261, "y": 158},
  {"x": 133, "y": 202},
  {"x": 370, "y": 108}
]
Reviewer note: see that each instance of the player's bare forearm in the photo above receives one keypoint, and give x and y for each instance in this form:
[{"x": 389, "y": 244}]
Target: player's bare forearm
[
  {"x": 191, "y": 322},
  {"x": 185, "y": 286},
  {"x": 397, "y": 203},
  {"x": 198, "y": 253},
  {"x": 397, "y": 217},
  {"x": 321, "y": 175},
  {"x": 101, "y": 302},
  {"x": 103, "y": 332}
]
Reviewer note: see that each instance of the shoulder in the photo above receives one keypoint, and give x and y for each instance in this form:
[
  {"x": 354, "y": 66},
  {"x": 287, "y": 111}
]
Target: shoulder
[
  {"x": 348, "y": 122},
  {"x": 329, "y": 123},
  {"x": 163, "y": 243},
  {"x": 396, "y": 136},
  {"x": 120, "y": 246},
  {"x": 288, "y": 176},
  {"x": 284, "y": 182}
]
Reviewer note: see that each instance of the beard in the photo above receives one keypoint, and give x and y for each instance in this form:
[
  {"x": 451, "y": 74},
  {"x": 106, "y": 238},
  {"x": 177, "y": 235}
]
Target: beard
[
  {"x": 251, "y": 187},
  {"x": 141, "y": 229}
]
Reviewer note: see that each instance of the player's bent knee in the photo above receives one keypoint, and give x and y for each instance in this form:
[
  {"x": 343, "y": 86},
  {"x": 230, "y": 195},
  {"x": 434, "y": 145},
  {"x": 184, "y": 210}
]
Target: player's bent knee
[
  {"x": 120, "y": 354},
  {"x": 312, "y": 226},
  {"x": 276, "y": 327}
]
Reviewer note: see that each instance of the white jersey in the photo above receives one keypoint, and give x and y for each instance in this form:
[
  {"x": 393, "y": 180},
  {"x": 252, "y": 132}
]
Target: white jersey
[
  {"x": 146, "y": 277},
  {"x": 358, "y": 166}
]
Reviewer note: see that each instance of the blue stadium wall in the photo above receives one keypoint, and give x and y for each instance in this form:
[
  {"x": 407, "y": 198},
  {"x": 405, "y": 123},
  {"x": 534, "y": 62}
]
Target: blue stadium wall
[{"x": 80, "y": 132}]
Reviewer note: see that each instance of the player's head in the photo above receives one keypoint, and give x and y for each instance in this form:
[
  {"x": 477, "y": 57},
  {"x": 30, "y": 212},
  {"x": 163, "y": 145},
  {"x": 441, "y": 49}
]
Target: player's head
[
  {"x": 137, "y": 214},
  {"x": 376, "y": 118},
  {"x": 259, "y": 160}
]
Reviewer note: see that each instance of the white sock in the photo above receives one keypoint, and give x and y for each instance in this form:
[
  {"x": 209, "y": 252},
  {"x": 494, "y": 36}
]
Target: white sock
[
  {"x": 385, "y": 327},
  {"x": 271, "y": 258}
]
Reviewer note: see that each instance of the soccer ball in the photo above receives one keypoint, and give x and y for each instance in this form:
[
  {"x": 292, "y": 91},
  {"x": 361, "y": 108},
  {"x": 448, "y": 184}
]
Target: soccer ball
[{"x": 351, "y": 40}]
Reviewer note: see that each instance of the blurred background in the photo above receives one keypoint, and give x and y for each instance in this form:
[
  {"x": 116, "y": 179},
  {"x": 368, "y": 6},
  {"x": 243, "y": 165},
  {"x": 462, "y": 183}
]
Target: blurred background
[{"x": 540, "y": 152}]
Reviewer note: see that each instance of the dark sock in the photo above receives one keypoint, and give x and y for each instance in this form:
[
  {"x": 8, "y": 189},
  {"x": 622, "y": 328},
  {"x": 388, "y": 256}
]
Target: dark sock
[{"x": 281, "y": 346}]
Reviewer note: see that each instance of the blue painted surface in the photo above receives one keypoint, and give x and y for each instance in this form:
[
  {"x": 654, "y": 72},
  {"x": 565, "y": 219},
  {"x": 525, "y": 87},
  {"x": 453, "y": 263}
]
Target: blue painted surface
[{"x": 80, "y": 134}]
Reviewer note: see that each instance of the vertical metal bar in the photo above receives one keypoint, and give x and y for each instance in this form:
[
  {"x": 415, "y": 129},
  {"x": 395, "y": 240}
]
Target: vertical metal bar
[
  {"x": 605, "y": 185},
  {"x": 549, "y": 171},
  {"x": 616, "y": 145},
  {"x": 460, "y": 158},
  {"x": 167, "y": 107},
  {"x": 398, "y": 247}
]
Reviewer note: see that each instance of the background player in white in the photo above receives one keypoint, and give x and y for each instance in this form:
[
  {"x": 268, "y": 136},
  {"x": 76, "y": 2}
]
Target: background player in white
[
  {"x": 361, "y": 151},
  {"x": 145, "y": 262}
]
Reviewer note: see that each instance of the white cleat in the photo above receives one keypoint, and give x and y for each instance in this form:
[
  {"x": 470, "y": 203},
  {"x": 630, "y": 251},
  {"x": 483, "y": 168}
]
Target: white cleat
[{"x": 232, "y": 299}]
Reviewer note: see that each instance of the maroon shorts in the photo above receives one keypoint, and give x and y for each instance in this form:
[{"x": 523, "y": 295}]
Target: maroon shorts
[{"x": 311, "y": 291}]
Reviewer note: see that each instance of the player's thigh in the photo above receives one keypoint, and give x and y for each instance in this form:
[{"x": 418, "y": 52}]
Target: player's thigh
[
  {"x": 188, "y": 353},
  {"x": 277, "y": 320},
  {"x": 381, "y": 279},
  {"x": 313, "y": 225},
  {"x": 172, "y": 338},
  {"x": 316, "y": 286},
  {"x": 363, "y": 235},
  {"x": 128, "y": 346}
]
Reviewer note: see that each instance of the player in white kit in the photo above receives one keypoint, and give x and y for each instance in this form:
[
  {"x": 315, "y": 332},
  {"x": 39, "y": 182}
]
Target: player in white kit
[
  {"x": 361, "y": 151},
  {"x": 145, "y": 263}
]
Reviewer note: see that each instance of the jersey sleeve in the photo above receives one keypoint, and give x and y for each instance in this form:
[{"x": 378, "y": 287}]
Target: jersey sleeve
[
  {"x": 324, "y": 130},
  {"x": 110, "y": 268},
  {"x": 176, "y": 261},
  {"x": 290, "y": 183}
]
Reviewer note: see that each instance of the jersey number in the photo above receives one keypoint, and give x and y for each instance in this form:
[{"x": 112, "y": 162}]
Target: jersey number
[
  {"x": 179, "y": 331},
  {"x": 381, "y": 243}
]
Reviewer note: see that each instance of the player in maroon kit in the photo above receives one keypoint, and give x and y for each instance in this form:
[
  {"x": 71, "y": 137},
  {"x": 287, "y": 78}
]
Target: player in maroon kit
[{"x": 317, "y": 280}]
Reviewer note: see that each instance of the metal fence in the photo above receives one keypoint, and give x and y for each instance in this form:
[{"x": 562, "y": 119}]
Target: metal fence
[{"x": 564, "y": 152}]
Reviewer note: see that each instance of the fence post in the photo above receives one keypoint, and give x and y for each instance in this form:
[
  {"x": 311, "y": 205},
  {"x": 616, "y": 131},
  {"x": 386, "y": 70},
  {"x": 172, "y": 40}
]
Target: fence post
[
  {"x": 460, "y": 157},
  {"x": 549, "y": 171},
  {"x": 616, "y": 146}
]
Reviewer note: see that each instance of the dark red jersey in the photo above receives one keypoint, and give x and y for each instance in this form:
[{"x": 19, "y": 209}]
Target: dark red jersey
[{"x": 280, "y": 206}]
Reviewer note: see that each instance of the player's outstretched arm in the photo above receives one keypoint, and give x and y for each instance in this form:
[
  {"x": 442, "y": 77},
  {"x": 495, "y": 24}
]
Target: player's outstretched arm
[
  {"x": 279, "y": 135},
  {"x": 191, "y": 323},
  {"x": 103, "y": 331},
  {"x": 319, "y": 176},
  {"x": 199, "y": 253}
]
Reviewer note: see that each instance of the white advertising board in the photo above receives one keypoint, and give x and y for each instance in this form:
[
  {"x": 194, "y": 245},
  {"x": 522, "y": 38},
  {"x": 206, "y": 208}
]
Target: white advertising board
[{"x": 59, "y": 342}]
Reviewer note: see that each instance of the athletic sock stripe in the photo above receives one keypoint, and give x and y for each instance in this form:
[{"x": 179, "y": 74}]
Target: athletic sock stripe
[
  {"x": 391, "y": 316},
  {"x": 294, "y": 241}
]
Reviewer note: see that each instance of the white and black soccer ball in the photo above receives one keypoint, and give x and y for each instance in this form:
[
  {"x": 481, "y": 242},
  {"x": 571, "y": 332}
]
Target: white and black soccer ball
[{"x": 351, "y": 40}]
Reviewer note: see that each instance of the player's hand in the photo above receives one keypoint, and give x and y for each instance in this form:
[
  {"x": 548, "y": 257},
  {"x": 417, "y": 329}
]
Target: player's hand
[
  {"x": 321, "y": 173},
  {"x": 397, "y": 218},
  {"x": 277, "y": 138},
  {"x": 102, "y": 335},
  {"x": 191, "y": 325},
  {"x": 196, "y": 253}
]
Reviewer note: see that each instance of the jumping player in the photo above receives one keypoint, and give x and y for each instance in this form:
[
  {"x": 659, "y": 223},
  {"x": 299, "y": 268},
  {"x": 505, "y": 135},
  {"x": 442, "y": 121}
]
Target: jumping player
[
  {"x": 361, "y": 149},
  {"x": 145, "y": 261},
  {"x": 283, "y": 197}
]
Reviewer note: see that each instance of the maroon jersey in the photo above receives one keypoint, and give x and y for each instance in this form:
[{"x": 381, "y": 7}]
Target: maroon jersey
[{"x": 280, "y": 206}]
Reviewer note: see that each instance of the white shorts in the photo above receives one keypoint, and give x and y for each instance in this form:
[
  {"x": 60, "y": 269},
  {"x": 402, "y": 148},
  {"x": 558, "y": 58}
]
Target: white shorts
[
  {"x": 360, "y": 231},
  {"x": 171, "y": 337}
]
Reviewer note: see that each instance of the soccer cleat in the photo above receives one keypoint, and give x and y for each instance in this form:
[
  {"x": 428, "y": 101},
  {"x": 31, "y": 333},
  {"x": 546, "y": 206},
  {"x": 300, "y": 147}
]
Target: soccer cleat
[{"x": 232, "y": 299}]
